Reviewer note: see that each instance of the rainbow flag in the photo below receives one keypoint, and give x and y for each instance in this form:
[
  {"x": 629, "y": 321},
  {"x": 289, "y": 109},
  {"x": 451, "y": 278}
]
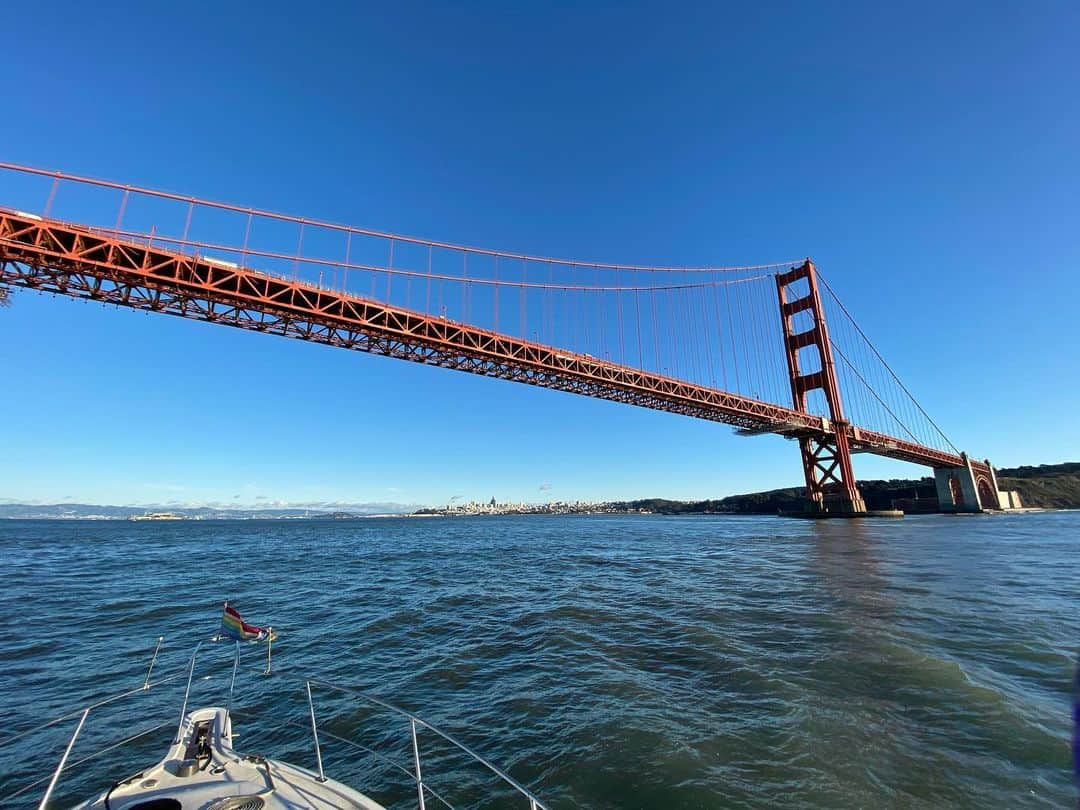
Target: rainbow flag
[{"x": 234, "y": 627}]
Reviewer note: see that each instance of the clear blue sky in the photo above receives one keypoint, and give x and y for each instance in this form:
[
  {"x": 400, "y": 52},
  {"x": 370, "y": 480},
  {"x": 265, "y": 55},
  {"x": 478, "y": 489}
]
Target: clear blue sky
[{"x": 926, "y": 157}]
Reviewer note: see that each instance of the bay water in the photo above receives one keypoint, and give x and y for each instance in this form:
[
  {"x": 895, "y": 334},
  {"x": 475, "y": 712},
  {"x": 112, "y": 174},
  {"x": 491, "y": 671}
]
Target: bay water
[{"x": 603, "y": 661}]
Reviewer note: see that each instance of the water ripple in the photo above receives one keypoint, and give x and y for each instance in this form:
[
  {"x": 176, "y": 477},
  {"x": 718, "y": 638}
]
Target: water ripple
[{"x": 610, "y": 662}]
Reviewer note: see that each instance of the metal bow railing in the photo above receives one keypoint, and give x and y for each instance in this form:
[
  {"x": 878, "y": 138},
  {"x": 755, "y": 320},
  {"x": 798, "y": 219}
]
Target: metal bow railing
[{"x": 425, "y": 791}]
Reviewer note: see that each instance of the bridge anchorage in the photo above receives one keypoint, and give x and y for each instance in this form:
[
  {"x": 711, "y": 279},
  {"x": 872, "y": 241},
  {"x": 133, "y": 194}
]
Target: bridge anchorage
[{"x": 702, "y": 342}]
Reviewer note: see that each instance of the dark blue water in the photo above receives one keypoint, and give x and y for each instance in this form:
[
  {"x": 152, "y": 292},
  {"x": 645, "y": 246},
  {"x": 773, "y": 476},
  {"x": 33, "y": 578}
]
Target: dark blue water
[{"x": 631, "y": 662}]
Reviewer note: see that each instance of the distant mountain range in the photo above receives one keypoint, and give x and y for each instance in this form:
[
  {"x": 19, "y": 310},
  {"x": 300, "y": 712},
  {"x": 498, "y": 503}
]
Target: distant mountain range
[
  {"x": 85, "y": 511},
  {"x": 1049, "y": 486}
]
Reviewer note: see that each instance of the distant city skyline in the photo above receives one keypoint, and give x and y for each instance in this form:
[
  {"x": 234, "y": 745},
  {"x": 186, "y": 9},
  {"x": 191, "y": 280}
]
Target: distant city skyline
[
  {"x": 236, "y": 504},
  {"x": 937, "y": 194}
]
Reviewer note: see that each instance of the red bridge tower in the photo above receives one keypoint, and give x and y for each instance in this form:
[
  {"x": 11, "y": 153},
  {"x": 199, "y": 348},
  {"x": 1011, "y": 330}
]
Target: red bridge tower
[{"x": 826, "y": 457}]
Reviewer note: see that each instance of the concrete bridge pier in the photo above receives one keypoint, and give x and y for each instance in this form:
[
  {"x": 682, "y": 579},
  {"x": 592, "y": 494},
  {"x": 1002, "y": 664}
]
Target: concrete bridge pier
[{"x": 967, "y": 489}]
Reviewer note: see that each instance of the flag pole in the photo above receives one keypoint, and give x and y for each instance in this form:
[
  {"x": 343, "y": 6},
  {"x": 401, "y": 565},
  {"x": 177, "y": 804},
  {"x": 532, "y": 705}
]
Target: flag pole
[
  {"x": 232, "y": 683},
  {"x": 269, "y": 646},
  {"x": 225, "y": 609},
  {"x": 146, "y": 683}
]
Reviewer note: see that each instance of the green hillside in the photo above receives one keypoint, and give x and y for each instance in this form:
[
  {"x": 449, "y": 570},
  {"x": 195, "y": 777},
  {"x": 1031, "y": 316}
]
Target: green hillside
[{"x": 1049, "y": 486}]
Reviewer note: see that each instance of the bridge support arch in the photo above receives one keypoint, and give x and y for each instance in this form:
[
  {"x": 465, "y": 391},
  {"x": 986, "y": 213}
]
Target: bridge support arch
[
  {"x": 967, "y": 488},
  {"x": 830, "y": 480}
]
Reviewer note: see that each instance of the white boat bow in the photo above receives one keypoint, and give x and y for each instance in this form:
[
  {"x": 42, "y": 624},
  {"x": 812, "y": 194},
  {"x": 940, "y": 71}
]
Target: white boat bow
[{"x": 202, "y": 770}]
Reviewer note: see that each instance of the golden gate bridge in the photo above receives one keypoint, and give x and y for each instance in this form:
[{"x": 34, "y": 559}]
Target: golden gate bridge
[{"x": 766, "y": 348}]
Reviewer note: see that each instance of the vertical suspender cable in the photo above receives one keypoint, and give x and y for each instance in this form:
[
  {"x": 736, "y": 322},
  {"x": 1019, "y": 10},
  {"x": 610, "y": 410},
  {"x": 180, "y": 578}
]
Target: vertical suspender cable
[
  {"x": 52, "y": 196},
  {"x": 752, "y": 343},
  {"x": 707, "y": 337},
  {"x": 390, "y": 273},
  {"x": 618, "y": 308},
  {"x": 719, "y": 334},
  {"x": 692, "y": 294},
  {"x": 521, "y": 301},
  {"x": 299, "y": 250},
  {"x": 427, "y": 285},
  {"x": 187, "y": 222},
  {"x": 773, "y": 341},
  {"x": 655, "y": 334},
  {"x": 247, "y": 236},
  {"x": 734, "y": 351},
  {"x": 600, "y": 348},
  {"x": 345, "y": 270},
  {"x": 695, "y": 347},
  {"x": 673, "y": 352},
  {"x": 466, "y": 287},
  {"x": 496, "y": 292},
  {"x": 637, "y": 322}
]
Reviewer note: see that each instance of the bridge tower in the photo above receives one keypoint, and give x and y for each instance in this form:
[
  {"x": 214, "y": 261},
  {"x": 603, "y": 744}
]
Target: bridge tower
[{"x": 826, "y": 457}]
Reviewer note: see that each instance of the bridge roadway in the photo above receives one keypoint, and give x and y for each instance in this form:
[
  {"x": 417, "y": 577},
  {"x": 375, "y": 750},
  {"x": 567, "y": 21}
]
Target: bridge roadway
[{"x": 75, "y": 260}]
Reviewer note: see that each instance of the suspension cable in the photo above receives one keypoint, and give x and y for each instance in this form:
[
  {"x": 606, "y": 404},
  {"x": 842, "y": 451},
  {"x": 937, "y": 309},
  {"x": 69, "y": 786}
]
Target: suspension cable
[
  {"x": 335, "y": 226},
  {"x": 888, "y": 368}
]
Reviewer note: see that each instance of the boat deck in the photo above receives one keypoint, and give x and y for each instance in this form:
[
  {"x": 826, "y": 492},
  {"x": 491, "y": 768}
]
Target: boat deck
[{"x": 203, "y": 771}]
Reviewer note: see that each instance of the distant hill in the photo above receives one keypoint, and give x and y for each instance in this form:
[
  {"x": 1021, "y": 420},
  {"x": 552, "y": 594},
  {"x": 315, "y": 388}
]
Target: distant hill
[
  {"x": 1049, "y": 486},
  {"x": 878, "y": 495},
  {"x": 85, "y": 511}
]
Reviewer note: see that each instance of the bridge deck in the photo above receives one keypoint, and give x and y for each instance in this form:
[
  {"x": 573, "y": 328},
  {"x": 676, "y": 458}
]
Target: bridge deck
[{"x": 74, "y": 260}]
